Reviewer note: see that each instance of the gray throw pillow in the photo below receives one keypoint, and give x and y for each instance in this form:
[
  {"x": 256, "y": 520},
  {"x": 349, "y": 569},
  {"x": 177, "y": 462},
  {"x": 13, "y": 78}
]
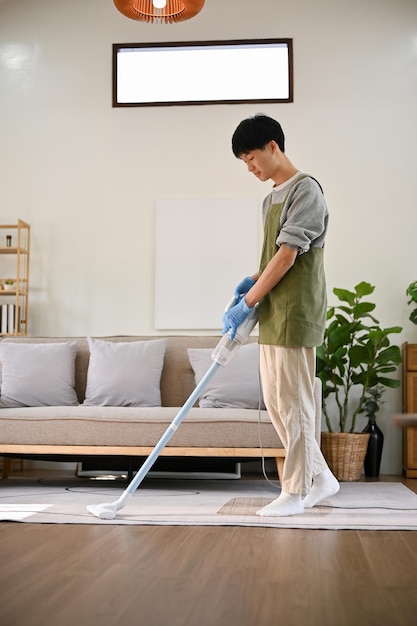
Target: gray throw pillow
[
  {"x": 38, "y": 374},
  {"x": 235, "y": 386},
  {"x": 124, "y": 373}
]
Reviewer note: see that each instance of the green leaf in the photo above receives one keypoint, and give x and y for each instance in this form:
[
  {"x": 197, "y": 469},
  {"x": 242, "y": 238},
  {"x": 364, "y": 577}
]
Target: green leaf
[
  {"x": 389, "y": 355},
  {"x": 362, "y": 309},
  {"x": 412, "y": 291},
  {"x": 365, "y": 378},
  {"x": 389, "y": 382},
  {"x": 345, "y": 295},
  {"x": 346, "y": 309},
  {"x": 386, "y": 367},
  {"x": 364, "y": 289},
  {"x": 320, "y": 353},
  {"x": 358, "y": 355},
  {"x": 330, "y": 312}
]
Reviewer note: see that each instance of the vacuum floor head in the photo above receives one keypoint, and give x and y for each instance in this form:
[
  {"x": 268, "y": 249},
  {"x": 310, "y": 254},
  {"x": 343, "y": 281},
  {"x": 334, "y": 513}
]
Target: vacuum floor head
[{"x": 103, "y": 511}]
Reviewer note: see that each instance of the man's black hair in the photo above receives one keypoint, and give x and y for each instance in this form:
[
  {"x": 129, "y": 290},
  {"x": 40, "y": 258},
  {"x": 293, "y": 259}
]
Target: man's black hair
[{"x": 255, "y": 132}]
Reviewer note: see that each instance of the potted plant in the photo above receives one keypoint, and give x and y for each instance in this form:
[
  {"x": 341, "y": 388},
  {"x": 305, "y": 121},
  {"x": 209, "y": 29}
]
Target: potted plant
[
  {"x": 9, "y": 284},
  {"x": 356, "y": 356},
  {"x": 411, "y": 292}
]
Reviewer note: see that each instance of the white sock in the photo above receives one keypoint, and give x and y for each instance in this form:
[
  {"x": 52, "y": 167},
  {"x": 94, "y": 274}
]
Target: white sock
[
  {"x": 324, "y": 486},
  {"x": 285, "y": 504}
]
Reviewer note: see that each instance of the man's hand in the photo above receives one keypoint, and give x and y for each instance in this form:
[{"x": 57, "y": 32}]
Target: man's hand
[
  {"x": 234, "y": 317},
  {"x": 243, "y": 287}
]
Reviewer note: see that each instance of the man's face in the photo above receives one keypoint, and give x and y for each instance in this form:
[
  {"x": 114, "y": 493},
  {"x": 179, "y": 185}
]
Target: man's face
[{"x": 262, "y": 162}]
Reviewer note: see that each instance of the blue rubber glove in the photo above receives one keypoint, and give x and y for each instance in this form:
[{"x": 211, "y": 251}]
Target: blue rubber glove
[
  {"x": 234, "y": 317},
  {"x": 243, "y": 287}
]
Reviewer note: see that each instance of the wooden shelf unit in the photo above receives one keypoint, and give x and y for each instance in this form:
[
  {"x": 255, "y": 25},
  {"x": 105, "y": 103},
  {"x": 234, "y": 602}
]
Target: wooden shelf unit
[
  {"x": 18, "y": 270},
  {"x": 409, "y": 366}
]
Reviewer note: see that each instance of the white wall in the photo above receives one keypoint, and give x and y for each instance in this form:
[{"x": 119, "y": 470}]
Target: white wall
[{"x": 86, "y": 176}]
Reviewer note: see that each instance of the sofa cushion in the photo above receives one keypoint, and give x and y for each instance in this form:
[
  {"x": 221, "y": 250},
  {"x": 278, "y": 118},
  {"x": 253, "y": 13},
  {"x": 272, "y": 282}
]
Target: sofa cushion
[
  {"x": 41, "y": 374},
  {"x": 125, "y": 373},
  {"x": 235, "y": 386},
  {"x": 136, "y": 426}
]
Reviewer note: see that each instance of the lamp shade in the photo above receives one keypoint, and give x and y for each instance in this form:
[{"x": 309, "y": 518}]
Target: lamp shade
[{"x": 146, "y": 11}]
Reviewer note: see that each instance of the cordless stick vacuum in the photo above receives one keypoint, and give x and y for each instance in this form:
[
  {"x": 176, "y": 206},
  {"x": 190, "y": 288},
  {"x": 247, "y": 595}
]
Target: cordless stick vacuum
[{"x": 222, "y": 354}]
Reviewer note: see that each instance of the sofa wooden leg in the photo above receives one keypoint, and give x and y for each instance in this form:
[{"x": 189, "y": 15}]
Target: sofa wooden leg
[{"x": 280, "y": 466}]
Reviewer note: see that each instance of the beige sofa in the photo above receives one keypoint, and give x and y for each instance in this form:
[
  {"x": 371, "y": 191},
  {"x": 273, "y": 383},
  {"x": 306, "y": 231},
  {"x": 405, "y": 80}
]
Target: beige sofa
[{"x": 77, "y": 431}]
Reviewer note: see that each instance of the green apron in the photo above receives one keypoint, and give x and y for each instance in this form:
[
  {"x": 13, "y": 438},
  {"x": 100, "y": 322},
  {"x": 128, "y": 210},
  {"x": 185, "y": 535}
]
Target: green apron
[{"x": 293, "y": 313}]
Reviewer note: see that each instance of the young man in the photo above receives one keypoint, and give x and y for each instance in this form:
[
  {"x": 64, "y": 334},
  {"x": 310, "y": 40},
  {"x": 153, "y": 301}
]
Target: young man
[{"x": 291, "y": 290}]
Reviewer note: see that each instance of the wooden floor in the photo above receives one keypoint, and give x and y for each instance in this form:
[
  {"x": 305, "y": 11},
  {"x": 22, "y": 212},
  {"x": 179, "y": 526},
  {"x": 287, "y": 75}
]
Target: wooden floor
[{"x": 92, "y": 575}]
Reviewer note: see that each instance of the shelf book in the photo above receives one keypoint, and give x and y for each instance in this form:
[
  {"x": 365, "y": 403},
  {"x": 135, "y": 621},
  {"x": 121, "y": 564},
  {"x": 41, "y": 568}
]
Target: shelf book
[{"x": 8, "y": 323}]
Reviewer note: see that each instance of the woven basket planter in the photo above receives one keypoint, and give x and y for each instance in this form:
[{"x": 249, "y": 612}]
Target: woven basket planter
[{"x": 345, "y": 454}]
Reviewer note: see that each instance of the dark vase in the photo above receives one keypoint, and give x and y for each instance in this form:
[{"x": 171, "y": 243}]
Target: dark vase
[{"x": 374, "y": 452}]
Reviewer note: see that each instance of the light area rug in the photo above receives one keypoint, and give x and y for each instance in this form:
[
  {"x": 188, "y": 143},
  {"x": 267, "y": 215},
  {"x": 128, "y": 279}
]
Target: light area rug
[{"x": 171, "y": 502}]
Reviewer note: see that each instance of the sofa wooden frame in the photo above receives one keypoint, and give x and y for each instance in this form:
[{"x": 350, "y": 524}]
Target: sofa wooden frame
[{"x": 19, "y": 450}]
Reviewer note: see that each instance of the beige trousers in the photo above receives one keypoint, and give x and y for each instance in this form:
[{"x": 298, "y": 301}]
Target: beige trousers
[{"x": 288, "y": 387}]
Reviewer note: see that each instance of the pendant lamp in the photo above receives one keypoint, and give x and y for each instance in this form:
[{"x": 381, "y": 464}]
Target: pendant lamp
[{"x": 166, "y": 11}]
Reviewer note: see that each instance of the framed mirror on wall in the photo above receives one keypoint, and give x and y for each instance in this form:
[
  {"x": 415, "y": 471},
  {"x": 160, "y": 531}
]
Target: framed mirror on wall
[{"x": 205, "y": 72}]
